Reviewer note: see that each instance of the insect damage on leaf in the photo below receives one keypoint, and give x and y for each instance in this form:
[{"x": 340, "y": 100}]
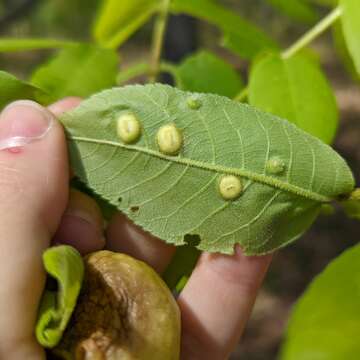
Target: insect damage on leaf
[
  {"x": 230, "y": 187},
  {"x": 173, "y": 179},
  {"x": 128, "y": 128},
  {"x": 275, "y": 166},
  {"x": 193, "y": 103},
  {"x": 169, "y": 139}
]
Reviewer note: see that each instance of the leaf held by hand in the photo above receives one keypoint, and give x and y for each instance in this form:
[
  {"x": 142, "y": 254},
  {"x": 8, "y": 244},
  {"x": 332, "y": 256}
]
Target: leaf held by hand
[{"x": 176, "y": 195}]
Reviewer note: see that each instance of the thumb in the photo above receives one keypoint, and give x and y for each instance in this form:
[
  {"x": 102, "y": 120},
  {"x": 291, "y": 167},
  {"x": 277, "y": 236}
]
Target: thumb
[{"x": 33, "y": 195}]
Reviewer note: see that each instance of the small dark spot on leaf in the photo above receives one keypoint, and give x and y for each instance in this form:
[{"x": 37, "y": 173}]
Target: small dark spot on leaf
[
  {"x": 134, "y": 209},
  {"x": 192, "y": 239},
  {"x": 120, "y": 199}
]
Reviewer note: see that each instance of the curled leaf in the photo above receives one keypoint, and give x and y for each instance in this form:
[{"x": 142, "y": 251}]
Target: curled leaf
[{"x": 65, "y": 265}]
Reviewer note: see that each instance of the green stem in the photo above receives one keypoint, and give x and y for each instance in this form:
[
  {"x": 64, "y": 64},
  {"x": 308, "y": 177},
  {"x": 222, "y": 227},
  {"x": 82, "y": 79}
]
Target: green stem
[
  {"x": 313, "y": 33},
  {"x": 141, "y": 69},
  {"x": 172, "y": 70},
  {"x": 304, "y": 41},
  {"x": 132, "y": 72},
  {"x": 158, "y": 40},
  {"x": 242, "y": 95}
]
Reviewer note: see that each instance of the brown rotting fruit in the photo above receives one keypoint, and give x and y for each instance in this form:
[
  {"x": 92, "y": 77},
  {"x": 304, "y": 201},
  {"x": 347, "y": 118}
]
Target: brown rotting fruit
[{"x": 125, "y": 311}]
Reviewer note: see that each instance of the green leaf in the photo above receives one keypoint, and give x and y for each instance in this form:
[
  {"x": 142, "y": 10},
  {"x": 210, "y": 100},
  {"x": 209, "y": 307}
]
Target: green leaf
[
  {"x": 65, "y": 265},
  {"x": 351, "y": 28},
  {"x": 327, "y": 3},
  {"x": 26, "y": 44},
  {"x": 295, "y": 89},
  {"x": 240, "y": 36},
  {"x": 118, "y": 20},
  {"x": 205, "y": 72},
  {"x": 79, "y": 71},
  {"x": 352, "y": 205},
  {"x": 12, "y": 89},
  {"x": 284, "y": 173},
  {"x": 181, "y": 266},
  {"x": 296, "y": 9},
  {"x": 343, "y": 52},
  {"x": 326, "y": 321}
]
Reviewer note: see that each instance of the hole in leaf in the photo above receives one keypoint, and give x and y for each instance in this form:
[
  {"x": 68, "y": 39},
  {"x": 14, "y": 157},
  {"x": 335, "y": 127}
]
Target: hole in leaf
[
  {"x": 134, "y": 209},
  {"x": 192, "y": 239},
  {"x": 120, "y": 199}
]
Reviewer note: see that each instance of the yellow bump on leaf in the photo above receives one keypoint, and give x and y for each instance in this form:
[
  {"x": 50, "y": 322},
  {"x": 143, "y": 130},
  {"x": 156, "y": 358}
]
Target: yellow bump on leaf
[
  {"x": 193, "y": 103},
  {"x": 128, "y": 128},
  {"x": 230, "y": 187},
  {"x": 275, "y": 166},
  {"x": 169, "y": 139}
]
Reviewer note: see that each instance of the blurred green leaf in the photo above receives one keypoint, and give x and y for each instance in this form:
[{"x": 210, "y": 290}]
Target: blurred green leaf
[
  {"x": 350, "y": 19},
  {"x": 206, "y": 72},
  {"x": 181, "y": 266},
  {"x": 325, "y": 323},
  {"x": 343, "y": 52},
  {"x": 14, "y": 44},
  {"x": 240, "y": 36},
  {"x": 328, "y": 3},
  {"x": 352, "y": 205},
  {"x": 79, "y": 71},
  {"x": 133, "y": 71},
  {"x": 118, "y": 20},
  {"x": 297, "y": 90},
  {"x": 296, "y": 9},
  {"x": 65, "y": 265},
  {"x": 12, "y": 89}
]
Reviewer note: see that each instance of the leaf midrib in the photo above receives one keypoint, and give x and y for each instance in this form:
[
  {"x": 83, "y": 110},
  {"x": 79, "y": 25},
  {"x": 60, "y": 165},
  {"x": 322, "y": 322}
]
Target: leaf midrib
[{"x": 260, "y": 178}]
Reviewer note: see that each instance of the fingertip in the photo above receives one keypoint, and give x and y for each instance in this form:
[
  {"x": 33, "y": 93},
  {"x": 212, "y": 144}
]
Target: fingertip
[{"x": 237, "y": 266}]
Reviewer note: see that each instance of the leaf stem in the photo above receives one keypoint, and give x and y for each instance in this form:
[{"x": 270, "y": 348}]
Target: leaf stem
[
  {"x": 313, "y": 33},
  {"x": 158, "y": 40},
  {"x": 302, "y": 42},
  {"x": 132, "y": 72},
  {"x": 242, "y": 95}
]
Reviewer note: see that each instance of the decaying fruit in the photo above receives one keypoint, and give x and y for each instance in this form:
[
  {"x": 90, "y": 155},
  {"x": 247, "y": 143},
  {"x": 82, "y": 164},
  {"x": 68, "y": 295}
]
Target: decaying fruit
[{"x": 125, "y": 311}]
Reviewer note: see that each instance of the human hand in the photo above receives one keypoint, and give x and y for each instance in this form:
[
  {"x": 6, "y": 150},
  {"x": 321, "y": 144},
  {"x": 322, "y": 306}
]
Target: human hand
[{"x": 37, "y": 210}]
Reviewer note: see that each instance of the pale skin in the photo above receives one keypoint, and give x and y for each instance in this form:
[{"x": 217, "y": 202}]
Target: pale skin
[{"x": 37, "y": 209}]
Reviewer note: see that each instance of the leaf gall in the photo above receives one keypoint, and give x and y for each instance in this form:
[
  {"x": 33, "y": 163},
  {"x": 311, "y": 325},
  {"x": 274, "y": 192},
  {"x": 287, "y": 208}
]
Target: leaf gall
[
  {"x": 275, "y": 166},
  {"x": 128, "y": 128},
  {"x": 169, "y": 139},
  {"x": 193, "y": 103},
  {"x": 230, "y": 187}
]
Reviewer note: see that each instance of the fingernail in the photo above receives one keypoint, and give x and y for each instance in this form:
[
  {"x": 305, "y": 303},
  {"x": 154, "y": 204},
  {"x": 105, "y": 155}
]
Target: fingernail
[{"x": 23, "y": 122}]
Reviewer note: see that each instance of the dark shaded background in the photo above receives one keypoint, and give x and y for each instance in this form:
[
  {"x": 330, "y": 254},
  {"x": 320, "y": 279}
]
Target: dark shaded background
[{"x": 293, "y": 267}]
